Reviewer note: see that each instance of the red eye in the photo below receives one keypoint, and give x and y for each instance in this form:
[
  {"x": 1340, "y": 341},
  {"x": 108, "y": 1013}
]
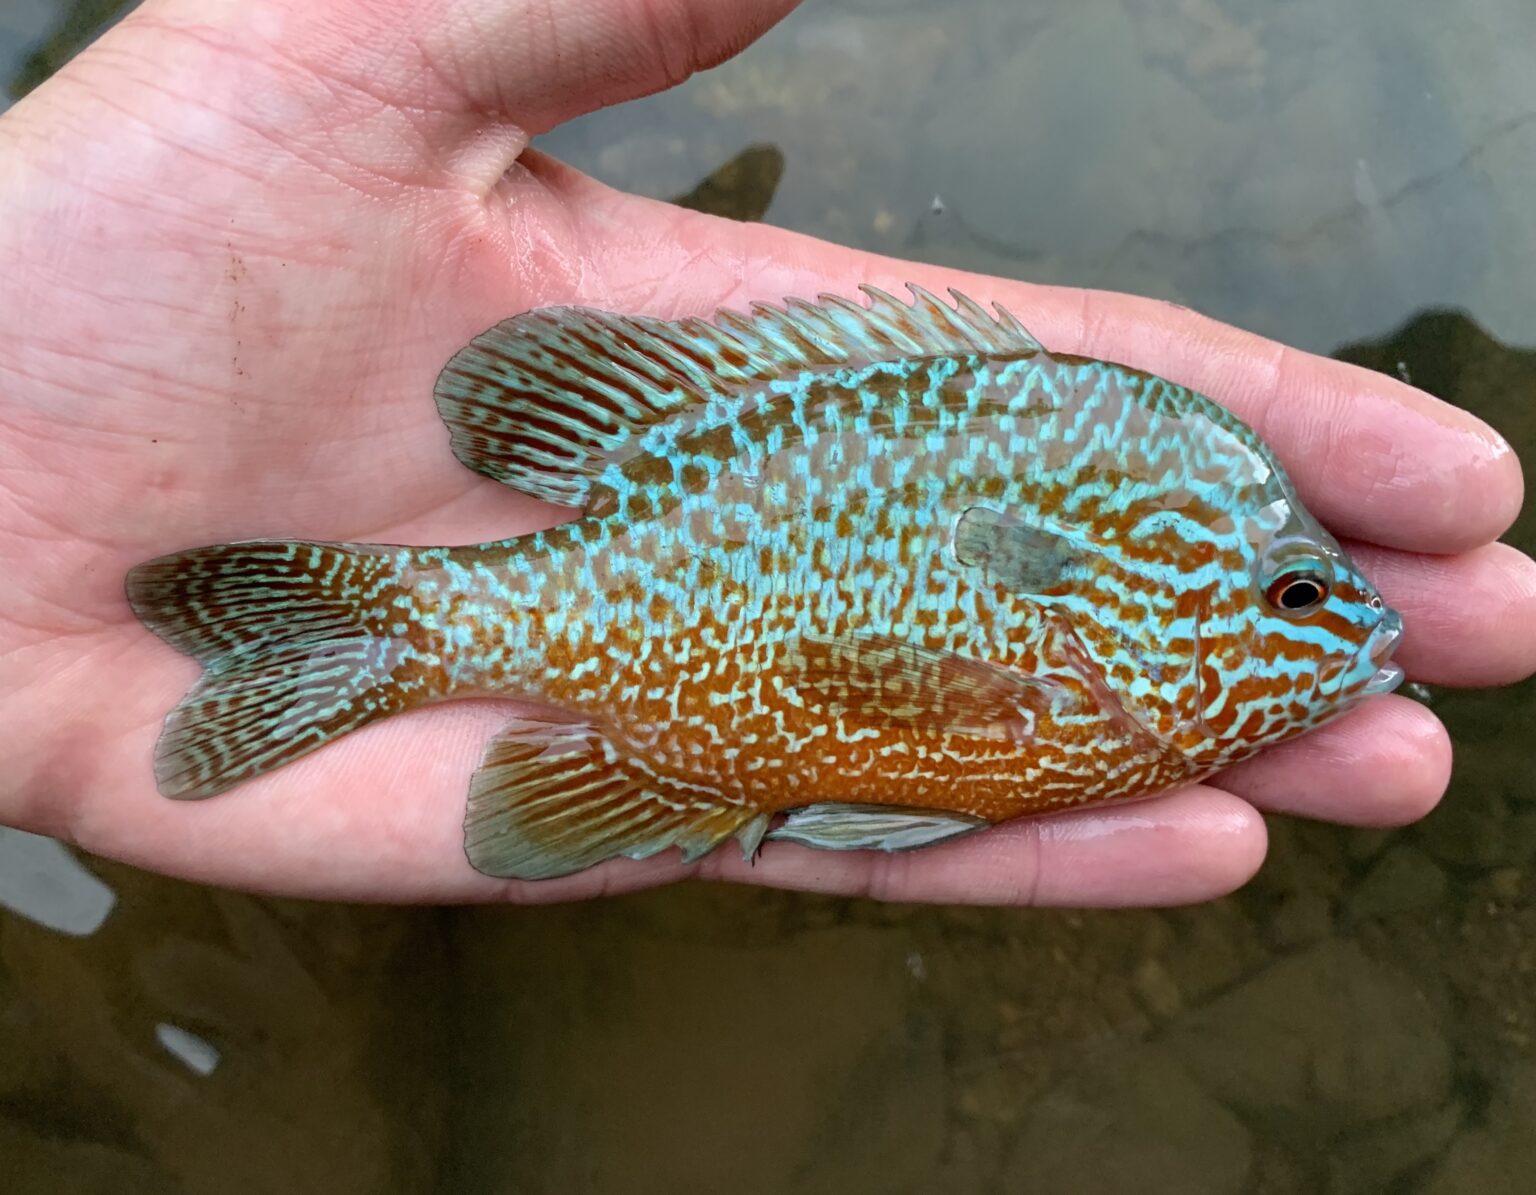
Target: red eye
[{"x": 1298, "y": 592}]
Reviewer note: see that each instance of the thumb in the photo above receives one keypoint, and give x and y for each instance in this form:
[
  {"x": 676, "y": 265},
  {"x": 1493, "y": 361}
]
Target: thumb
[
  {"x": 545, "y": 61},
  {"x": 530, "y": 63},
  {"x": 407, "y": 88}
]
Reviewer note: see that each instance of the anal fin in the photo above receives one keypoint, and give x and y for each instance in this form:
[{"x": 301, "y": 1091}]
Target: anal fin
[
  {"x": 836, "y": 826},
  {"x": 550, "y": 799}
]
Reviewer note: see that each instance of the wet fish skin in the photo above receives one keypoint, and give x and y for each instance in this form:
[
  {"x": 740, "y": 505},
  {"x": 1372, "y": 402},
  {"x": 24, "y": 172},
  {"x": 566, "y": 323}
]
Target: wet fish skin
[{"x": 898, "y": 564}]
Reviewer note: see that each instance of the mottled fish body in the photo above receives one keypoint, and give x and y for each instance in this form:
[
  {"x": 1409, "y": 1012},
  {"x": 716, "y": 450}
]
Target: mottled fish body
[{"x": 896, "y": 571}]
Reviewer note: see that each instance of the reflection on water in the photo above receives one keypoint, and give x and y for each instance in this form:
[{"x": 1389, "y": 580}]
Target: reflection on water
[
  {"x": 207, "y": 1042},
  {"x": 742, "y": 189},
  {"x": 1361, "y": 1018},
  {"x": 43, "y": 882},
  {"x": 70, "y": 26}
]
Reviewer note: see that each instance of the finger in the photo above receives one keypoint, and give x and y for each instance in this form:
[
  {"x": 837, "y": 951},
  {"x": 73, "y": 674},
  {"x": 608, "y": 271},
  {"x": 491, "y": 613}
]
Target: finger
[
  {"x": 378, "y": 815},
  {"x": 1374, "y": 459},
  {"x": 1384, "y": 764},
  {"x": 1190, "y": 846},
  {"x": 1467, "y": 620},
  {"x": 543, "y": 62}
]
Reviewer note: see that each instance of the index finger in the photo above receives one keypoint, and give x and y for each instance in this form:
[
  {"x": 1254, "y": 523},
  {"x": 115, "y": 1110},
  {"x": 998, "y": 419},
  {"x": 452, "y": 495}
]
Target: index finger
[
  {"x": 1181, "y": 848},
  {"x": 1374, "y": 459}
]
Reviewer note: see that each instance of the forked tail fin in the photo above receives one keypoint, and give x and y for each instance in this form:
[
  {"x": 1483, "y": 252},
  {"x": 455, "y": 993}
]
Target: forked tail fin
[{"x": 300, "y": 643}]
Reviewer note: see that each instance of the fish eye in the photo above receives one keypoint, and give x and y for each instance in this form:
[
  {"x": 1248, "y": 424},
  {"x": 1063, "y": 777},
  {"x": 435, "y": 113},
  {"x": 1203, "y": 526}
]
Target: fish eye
[{"x": 1297, "y": 591}]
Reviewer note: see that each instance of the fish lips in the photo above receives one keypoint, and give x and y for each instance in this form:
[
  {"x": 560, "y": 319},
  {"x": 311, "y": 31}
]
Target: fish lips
[
  {"x": 1370, "y": 670},
  {"x": 1378, "y": 651}
]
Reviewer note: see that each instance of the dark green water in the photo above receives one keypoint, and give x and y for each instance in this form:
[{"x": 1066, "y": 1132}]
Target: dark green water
[{"x": 1352, "y": 178}]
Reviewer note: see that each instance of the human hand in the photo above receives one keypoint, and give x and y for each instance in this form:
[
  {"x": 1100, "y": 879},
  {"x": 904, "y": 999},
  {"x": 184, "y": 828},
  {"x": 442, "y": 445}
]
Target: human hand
[{"x": 239, "y": 241}]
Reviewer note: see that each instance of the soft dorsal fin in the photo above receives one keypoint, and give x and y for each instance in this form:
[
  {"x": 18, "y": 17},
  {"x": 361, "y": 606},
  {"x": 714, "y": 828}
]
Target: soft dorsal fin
[{"x": 542, "y": 400}]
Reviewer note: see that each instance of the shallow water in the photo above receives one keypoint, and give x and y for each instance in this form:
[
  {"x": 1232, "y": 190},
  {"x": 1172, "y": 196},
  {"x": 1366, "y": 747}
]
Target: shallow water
[{"x": 1354, "y": 179}]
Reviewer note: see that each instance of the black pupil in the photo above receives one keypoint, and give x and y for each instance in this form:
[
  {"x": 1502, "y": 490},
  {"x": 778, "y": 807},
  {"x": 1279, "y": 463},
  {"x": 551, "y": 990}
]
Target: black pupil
[{"x": 1301, "y": 593}]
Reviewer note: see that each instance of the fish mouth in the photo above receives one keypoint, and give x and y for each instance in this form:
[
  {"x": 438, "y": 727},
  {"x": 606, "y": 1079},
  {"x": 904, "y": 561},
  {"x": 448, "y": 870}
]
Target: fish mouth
[
  {"x": 1386, "y": 679},
  {"x": 1378, "y": 649}
]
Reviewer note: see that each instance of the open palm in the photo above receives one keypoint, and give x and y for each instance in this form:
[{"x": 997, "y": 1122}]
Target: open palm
[{"x": 240, "y": 239}]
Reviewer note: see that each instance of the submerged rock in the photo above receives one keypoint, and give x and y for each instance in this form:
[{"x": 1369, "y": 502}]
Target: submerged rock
[
  {"x": 1404, "y": 880},
  {"x": 1131, "y": 1122},
  {"x": 1380, "y": 1156},
  {"x": 1500, "y": 1156},
  {"x": 1318, "y": 1044}
]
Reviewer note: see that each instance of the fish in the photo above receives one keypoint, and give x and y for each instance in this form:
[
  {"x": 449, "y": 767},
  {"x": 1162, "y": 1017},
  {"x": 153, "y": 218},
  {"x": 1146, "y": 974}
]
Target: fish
[{"x": 852, "y": 575}]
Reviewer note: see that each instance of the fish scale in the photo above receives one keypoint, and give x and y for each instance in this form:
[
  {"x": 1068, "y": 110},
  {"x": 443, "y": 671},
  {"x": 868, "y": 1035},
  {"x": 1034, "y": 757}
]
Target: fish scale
[{"x": 894, "y": 571}]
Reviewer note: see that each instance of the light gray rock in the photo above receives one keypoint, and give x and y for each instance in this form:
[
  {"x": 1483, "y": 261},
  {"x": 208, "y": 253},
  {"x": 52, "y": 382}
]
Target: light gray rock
[{"x": 42, "y": 880}]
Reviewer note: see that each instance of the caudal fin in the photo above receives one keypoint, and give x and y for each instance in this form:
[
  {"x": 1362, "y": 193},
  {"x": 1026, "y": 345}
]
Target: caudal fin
[{"x": 298, "y": 647}]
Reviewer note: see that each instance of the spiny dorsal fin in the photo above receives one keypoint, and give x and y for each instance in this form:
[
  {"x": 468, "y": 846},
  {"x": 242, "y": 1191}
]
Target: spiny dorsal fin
[{"x": 541, "y": 401}]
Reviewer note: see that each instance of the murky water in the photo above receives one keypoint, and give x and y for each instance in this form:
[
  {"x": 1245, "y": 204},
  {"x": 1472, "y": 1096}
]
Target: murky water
[{"x": 1352, "y": 178}]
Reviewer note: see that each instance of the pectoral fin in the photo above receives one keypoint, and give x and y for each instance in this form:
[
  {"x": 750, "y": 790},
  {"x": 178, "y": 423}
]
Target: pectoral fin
[
  {"x": 1013, "y": 553},
  {"x": 883, "y": 680},
  {"x": 834, "y": 826}
]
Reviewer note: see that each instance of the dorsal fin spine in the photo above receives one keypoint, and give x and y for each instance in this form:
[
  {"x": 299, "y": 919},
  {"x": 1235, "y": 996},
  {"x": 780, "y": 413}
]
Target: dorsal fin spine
[{"x": 541, "y": 401}]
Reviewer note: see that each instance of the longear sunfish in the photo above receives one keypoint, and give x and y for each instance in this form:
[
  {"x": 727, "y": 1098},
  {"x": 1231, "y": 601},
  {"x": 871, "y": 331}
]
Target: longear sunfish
[{"x": 896, "y": 572}]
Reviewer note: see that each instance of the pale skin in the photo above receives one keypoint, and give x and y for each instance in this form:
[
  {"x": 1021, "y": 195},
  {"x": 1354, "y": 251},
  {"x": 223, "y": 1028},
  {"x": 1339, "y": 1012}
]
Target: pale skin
[{"x": 238, "y": 240}]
